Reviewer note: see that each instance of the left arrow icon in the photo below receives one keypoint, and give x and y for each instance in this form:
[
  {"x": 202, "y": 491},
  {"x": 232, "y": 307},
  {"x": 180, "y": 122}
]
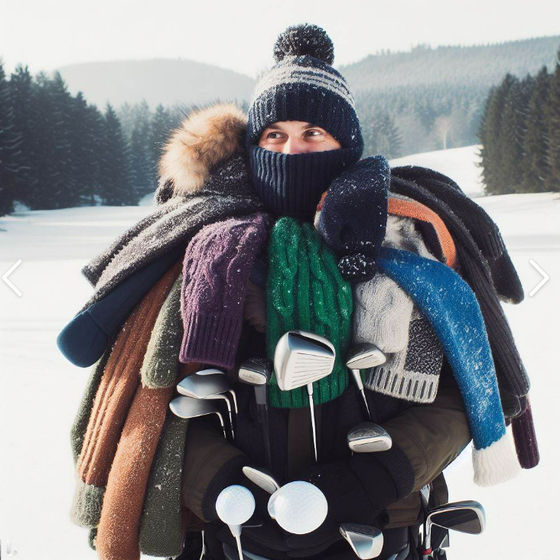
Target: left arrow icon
[{"x": 5, "y": 277}]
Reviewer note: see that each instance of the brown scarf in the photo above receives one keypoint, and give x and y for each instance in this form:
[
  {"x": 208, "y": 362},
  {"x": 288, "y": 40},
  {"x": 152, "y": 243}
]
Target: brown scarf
[{"x": 113, "y": 399}]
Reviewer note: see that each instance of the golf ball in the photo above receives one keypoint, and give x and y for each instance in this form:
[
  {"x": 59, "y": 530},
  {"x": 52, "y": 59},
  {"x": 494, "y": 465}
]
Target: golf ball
[
  {"x": 235, "y": 505},
  {"x": 298, "y": 507}
]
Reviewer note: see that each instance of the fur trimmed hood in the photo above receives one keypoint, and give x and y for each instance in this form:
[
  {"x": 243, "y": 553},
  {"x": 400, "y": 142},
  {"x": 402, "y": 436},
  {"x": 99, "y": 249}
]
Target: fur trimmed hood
[{"x": 206, "y": 137}]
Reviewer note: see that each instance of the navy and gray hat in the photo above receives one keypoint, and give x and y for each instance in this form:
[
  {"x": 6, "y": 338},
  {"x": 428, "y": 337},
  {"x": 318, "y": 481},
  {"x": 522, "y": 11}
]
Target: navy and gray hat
[{"x": 303, "y": 86}]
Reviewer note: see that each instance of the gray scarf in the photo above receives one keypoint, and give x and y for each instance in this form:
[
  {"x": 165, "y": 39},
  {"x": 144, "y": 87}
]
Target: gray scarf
[{"x": 226, "y": 193}]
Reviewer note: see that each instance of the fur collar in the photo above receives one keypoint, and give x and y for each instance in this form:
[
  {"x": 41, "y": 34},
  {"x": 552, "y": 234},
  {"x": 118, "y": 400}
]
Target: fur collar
[{"x": 205, "y": 138}]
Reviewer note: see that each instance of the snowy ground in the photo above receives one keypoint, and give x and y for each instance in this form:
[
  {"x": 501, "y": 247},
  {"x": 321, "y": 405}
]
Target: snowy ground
[{"x": 40, "y": 390}]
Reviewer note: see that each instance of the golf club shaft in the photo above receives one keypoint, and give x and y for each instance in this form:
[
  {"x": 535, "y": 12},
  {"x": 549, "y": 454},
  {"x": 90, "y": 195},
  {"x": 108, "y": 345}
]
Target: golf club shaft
[
  {"x": 312, "y": 413},
  {"x": 358, "y": 380},
  {"x": 262, "y": 413}
]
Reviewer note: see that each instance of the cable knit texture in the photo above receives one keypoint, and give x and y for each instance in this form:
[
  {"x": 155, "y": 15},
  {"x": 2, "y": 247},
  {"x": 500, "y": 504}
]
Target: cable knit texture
[{"x": 216, "y": 271}]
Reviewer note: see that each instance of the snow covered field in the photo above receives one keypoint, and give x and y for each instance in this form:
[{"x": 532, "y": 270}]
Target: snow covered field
[{"x": 40, "y": 390}]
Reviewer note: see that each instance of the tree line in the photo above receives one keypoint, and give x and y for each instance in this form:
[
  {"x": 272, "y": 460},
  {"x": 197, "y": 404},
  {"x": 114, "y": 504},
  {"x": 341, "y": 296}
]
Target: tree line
[
  {"x": 520, "y": 134},
  {"x": 57, "y": 150}
]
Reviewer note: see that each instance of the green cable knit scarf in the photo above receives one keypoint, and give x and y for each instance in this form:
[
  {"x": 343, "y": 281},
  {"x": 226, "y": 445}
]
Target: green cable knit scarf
[{"x": 306, "y": 291}]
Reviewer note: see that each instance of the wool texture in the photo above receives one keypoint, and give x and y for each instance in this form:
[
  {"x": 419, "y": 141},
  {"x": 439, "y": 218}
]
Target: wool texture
[
  {"x": 226, "y": 193},
  {"x": 452, "y": 308},
  {"x": 79, "y": 426},
  {"x": 112, "y": 401},
  {"x": 382, "y": 313},
  {"x": 479, "y": 224},
  {"x": 292, "y": 184},
  {"x": 161, "y": 361},
  {"x": 118, "y": 530},
  {"x": 306, "y": 291},
  {"x": 303, "y": 86},
  {"x": 399, "y": 205},
  {"x": 84, "y": 339},
  {"x": 161, "y": 522},
  {"x": 353, "y": 215},
  {"x": 512, "y": 377},
  {"x": 216, "y": 271},
  {"x": 526, "y": 439},
  {"x": 412, "y": 373}
]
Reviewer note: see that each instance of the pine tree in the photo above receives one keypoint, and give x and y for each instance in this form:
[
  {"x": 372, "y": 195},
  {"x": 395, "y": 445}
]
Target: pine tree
[
  {"x": 116, "y": 189},
  {"x": 494, "y": 175},
  {"x": 513, "y": 133},
  {"x": 141, "y": 163},
  {"x": 536, "y": 145},
  {"x": 9, "y": 154},
  {"x": 23, "y": 101},
  {"x": 161, "y": 127},
  {"x": 553, "y": 118}
]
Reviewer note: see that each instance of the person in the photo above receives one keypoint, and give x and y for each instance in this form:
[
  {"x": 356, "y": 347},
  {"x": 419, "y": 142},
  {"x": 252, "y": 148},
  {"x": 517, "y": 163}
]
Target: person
[{"x": 302, "y": 135}]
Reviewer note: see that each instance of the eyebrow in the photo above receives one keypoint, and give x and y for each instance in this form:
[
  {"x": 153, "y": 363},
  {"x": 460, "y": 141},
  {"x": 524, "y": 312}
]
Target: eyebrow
[{"x": 306, "y": 126}]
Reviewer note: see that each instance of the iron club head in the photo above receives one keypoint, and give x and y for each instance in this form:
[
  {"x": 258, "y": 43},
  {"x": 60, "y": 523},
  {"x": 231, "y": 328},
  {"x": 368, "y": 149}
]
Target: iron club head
[
  {"x": 365, "y": 356},
  {"x": 367, "y": 437},
  {"x": 366, "y": 541},
  {"x": 262, "y": 478},
  {"x": 187, "y": 407}
]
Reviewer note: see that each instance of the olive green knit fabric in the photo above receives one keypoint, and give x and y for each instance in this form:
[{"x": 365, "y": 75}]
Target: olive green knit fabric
[{"x": 306, "y": 291}]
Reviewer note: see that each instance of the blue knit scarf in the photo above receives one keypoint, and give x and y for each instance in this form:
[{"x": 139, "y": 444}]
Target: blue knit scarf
[{"x": 453, "y": 310}]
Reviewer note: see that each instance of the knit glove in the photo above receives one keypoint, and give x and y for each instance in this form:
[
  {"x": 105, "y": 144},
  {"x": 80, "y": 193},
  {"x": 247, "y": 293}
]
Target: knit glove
[
  {"x": 353, "y": 216},
  {"x": 357, "y": 490}
]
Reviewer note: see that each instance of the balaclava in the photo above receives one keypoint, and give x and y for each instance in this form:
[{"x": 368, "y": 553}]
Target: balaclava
[{"x": 301, "y": 86}]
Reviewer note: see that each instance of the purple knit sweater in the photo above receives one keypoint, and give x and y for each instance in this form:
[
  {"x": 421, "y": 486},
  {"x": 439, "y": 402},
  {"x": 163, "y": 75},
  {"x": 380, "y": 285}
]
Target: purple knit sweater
[{"x": 216, "y": 269}]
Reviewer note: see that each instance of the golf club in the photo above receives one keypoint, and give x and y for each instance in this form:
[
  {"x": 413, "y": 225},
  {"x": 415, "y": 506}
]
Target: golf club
[
  {"x": 216, "y": 371},
  {"x": 235, "y": 505},
  {"x": 366, "y": 541},
  {"x": 187, "y": 407},
  {"x": 257, "y": 372},
  {"x": 425, "y": 500},
  {"x": 367, "y": 437},
  {"x": 262, "y": 479},
  {"x": 301, "y": 358},
  {"x": 211, "y": 387},
  {"x": 364, "y": 356},
  {"x": 467, "y": 516}
]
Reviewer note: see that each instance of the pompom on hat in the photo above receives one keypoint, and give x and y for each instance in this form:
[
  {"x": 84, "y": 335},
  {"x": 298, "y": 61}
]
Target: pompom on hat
[{"x": 303, "y": 86}]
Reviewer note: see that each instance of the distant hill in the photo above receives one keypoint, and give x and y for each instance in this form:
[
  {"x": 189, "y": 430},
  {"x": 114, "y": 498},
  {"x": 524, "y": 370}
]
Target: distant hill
[
  {"x": 163, "y": 81},
  {"x": 170, "y": 81},
  {"x": 480, "y": 65}
]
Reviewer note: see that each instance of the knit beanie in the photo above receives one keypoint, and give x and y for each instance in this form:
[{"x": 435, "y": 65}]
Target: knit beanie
[
  {"x": 301, "y": 86},
  {"x": 306, "y": 291}
]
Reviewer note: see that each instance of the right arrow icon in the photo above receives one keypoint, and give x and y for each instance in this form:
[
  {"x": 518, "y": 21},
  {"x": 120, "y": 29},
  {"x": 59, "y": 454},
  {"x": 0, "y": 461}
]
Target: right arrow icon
[{"x": 545, "y": 276}]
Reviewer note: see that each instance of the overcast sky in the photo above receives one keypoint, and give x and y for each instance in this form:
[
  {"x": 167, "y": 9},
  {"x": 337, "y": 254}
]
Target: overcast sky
[{"x": 46, "y": 34}]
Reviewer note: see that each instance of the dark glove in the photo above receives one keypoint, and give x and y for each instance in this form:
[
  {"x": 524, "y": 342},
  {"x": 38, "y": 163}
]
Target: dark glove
[
  {"x": 353, "y": 215},
  {"x": 351, "y": 499}
]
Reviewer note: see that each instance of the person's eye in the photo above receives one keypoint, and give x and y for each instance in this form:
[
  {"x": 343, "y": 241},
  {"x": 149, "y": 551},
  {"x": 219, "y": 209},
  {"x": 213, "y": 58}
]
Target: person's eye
[
  {"x": 314, "y": 133},
  {"x": 274, "y": 135}
]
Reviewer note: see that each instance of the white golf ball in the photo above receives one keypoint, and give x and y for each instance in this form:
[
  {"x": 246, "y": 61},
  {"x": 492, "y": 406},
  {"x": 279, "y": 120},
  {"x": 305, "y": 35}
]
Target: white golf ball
[
  {"x": 298, "y": 507},
  {"x": 235, "y": 505}
]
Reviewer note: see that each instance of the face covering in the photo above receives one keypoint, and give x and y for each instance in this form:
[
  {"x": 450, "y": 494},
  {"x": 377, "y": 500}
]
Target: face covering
[{"x": 292, "y": 184}]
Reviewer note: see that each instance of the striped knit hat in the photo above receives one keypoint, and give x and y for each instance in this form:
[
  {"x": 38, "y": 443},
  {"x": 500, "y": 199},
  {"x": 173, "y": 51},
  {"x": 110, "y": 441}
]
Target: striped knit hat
[{"x": 303, "y": 86}]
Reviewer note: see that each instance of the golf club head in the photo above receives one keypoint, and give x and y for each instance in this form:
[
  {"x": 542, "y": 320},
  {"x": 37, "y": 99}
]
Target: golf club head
[
  {"x": 262, "y": 478},
  {"x": 210, "y": 371},
  {"x": 203, "y": 386},
  {"x": 255, "y": 371},
  {"x": 366, "y": 541},
  {"x": 187, "y": 407},
  {"x": 365, "y": 356},
  {"x": 301, "y": 358},
  {"x": 467, "y": 516},
  {"x": 367, "y": 437}
]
